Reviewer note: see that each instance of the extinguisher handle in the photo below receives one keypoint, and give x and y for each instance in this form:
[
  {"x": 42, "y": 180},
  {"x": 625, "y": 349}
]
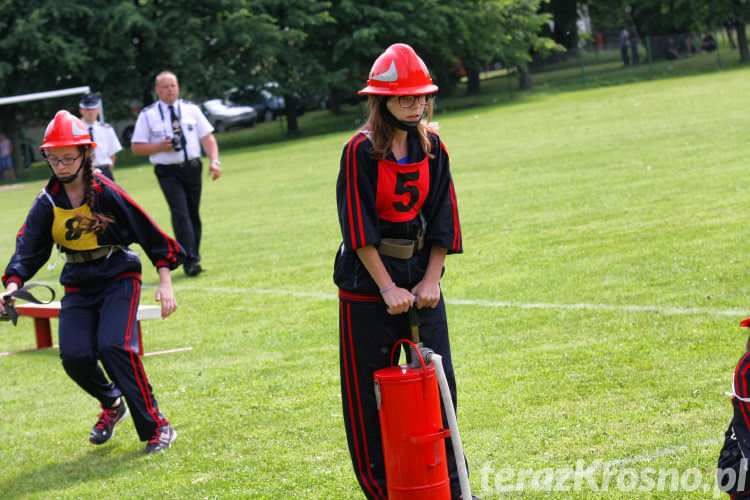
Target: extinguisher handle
[{"x": 415, "y": 349}]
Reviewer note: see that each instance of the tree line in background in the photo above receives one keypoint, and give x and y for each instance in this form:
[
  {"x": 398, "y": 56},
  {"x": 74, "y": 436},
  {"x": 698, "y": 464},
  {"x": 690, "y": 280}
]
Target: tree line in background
[
  {"x": 648, "y": 18},
  {"x": 310, "y": 47}
]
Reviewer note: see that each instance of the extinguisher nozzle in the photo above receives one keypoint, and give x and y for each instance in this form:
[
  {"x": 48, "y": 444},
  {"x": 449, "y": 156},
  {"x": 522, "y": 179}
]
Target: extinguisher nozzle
[{"x": 426, "y": 353}]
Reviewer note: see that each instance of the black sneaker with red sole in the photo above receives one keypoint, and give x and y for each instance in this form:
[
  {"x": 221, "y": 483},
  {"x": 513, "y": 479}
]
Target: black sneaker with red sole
[{"x": 104, "y": 428}]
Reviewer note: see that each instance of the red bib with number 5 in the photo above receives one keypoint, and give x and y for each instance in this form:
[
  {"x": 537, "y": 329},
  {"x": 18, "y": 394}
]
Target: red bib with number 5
[{"x": 402, "y": 189}]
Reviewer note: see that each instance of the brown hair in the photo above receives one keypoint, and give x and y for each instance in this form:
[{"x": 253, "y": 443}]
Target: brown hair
[
  {"x": 381, "y": 132},
  {"x": 97, "y": 223}
]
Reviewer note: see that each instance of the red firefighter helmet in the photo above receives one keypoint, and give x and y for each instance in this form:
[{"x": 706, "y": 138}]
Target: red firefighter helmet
[
  {"x": 66, "y": 130},
  {"x": 399, "y": 71}
]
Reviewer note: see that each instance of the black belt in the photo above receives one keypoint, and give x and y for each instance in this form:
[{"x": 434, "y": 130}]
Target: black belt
[
  {"x": 182, "y": 164},
  {"x": 88, "y": 256}
]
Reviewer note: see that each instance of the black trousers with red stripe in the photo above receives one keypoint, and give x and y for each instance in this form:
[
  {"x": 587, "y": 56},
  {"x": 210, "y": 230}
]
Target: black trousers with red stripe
[
  {"x": 99, "y": 324},
  {"x": 367, "y": 335}
]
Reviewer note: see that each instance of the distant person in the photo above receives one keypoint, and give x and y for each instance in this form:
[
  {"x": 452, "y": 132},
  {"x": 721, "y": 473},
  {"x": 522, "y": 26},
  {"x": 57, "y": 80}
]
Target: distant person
[
  {"x": 671, "y": 52},
  {"x": 599, "y": 41},
  {"x": 729, "y": 27},
  {"x": 105, "y": 137},
  {"x": 732, "y": 475},
  {"x": 624, "y": 46},
  {"x": 171, "y": 131},
  {"x": 6, "y": 158},
  {"x": 92, "y": 221},
  {"x": 709, "y": 42},
  {"x": 691, "y": 45},
  {"x": 633, "y": 40}
]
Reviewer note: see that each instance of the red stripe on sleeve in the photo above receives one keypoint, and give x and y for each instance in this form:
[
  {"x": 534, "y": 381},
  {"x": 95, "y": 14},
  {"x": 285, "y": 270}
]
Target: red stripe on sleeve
[
  {"x": 740, "y": 385},
  {"x": 13, "y": 278},
  {"x": 456, "y": 224},
  {"x": 351, "y": 188}
]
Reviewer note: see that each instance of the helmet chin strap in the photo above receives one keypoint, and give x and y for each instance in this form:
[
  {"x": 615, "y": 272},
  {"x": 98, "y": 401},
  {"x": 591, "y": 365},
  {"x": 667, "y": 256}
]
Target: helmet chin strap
[
  {"x": 70, "y": 178},
  {"x": 395, "y": 122}
]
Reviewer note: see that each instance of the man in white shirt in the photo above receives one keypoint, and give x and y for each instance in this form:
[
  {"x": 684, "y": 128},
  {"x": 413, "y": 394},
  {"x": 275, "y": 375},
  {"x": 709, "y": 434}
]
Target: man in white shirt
[
  {"x": 103, "y": 134},
  {"x": 172, "y": 131}
]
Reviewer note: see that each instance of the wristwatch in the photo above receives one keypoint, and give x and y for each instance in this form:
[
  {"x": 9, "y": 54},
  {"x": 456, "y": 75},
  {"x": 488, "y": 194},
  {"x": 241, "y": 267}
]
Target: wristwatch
[{"x": 217, "y": 162}]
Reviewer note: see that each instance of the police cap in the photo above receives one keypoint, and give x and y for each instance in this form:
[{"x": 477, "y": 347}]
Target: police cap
[{"x": 90, "y": 101}]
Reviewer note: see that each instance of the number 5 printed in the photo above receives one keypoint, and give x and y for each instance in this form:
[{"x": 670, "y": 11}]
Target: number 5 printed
[{"x": 402, "y": 188}]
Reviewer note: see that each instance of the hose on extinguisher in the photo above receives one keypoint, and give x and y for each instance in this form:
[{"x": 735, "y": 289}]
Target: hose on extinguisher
[
  {"x": 458, "y": 450},
  {"x": 436, "y": 359}
]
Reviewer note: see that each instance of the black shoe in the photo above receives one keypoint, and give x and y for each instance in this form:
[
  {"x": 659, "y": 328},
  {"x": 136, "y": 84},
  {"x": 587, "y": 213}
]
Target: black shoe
[
  {"x": 162, "y": 439},
  {"x": 105, "y": 426},
  {"x": 194, "y": 270}
]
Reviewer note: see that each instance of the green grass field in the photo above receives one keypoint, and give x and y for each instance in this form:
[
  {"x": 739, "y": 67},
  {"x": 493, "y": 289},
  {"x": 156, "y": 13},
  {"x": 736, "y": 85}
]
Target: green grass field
[{"x": 594, "y": 314}]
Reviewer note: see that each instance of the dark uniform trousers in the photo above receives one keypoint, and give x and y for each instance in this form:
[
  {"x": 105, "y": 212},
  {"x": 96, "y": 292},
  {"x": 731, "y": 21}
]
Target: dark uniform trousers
[
  {"x": 362, "y": 352},
  {"x": 100, "y": 323},
  {"x": 181, "y": 185}
]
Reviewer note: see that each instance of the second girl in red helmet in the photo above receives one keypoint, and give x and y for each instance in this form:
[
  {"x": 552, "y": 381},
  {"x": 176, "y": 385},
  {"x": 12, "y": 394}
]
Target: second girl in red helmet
[{"x": 93, "y": 221}]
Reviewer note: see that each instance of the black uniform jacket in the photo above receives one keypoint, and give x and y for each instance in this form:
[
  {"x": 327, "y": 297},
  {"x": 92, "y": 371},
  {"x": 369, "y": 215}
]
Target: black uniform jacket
[
  {"x": 737, "y": 437},
  {"x": 35, "y": 239},
  {"x": 388, "y": 199}
]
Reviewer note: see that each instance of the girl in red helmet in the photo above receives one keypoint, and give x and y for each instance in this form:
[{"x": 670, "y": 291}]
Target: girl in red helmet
[
  {"x": 92, "y": 221},
  {"x": 399, "y": 219}
]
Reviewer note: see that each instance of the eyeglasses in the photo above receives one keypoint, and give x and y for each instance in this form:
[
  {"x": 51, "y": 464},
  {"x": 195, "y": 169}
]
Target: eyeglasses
[
  {"x": 65, "y": 160},
  {"x": 407, "y": 101}
]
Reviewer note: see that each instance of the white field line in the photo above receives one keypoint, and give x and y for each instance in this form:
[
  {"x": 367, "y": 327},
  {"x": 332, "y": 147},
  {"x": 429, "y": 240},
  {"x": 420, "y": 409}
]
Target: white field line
[
  {"x": 482, "y": 303},
  {"x": 668, "y": 451},
  {"x": 492, "y": 303},
  {"x": 168, "y": 351}
]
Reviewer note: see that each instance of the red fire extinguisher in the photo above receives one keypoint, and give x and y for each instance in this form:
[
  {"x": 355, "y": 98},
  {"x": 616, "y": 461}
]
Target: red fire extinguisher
[{"x": 411, "y": 427}]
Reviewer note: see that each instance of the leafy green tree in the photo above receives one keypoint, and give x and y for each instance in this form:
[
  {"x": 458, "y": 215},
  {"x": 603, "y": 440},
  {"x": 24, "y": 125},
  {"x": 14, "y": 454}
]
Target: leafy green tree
[
  {"x": 565, "y": 20},
  {"x": 309, "y": 46},
  {"x": 210, "y": 45},
  {"x": 296, "y": 61},
  {"x": 521, "y": 37},
  {"x": 362, "y": 30},
  {"x": 119, "y": 47},
  {"x": 40, "y": 50},
  {"x": 655, "y": 18},
  {"x": 504, "y": 30}
]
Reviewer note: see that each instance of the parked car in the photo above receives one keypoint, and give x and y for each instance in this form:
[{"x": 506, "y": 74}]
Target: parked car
[
  {"x": 265, "y": 99},
  {"x": 223, "y": 114}
]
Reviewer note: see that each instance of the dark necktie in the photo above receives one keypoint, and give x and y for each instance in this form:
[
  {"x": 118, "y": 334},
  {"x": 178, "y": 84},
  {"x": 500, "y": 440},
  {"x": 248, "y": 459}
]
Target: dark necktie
[
  {"x": 91, "y": 133},
  {"x": 177, "y": 131}
]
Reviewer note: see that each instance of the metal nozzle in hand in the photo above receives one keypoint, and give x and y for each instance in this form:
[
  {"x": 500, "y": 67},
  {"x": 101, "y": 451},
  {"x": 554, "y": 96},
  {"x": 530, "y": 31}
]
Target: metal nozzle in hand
[{"x": 414, "y": 325}]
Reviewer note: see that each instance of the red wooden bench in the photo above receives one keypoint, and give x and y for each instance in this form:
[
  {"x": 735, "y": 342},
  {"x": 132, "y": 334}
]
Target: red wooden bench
[{"x": 43, "y": 312}]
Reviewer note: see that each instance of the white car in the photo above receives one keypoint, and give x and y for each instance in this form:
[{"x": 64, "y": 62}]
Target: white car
[{"x": 225, "y": 114}]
